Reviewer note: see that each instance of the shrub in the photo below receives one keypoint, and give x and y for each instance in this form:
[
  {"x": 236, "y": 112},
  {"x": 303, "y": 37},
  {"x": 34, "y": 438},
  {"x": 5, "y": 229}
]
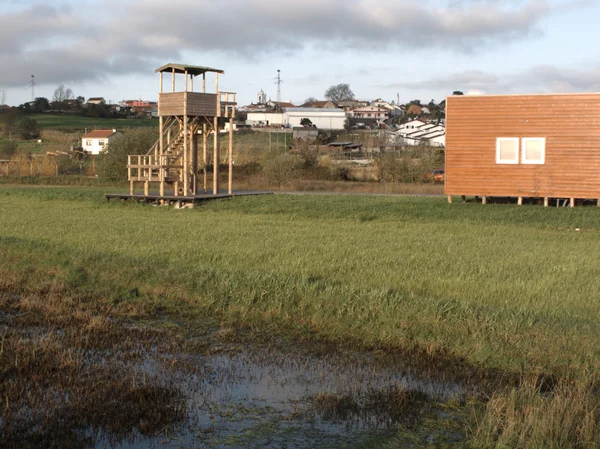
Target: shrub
[
  {"x": 279, "y": 167},
  {"x": 309, "y": 154},
  {"x": 112, "y": 163},
  {"x": 28, "y": 128},
  {"x": 7, "y": 149}
]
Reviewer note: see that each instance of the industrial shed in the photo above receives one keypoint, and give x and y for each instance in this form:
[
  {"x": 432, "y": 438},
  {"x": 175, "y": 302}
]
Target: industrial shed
[
  {"x": 525, "y": 146},
  {"x": 322, "y": 118}
]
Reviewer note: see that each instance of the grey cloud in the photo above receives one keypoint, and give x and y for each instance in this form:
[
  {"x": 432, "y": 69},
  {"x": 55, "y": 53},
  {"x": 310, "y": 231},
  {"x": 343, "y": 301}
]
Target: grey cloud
[
  {"x": 112, "y": 37},
  {"x": 538, "y": 79}
]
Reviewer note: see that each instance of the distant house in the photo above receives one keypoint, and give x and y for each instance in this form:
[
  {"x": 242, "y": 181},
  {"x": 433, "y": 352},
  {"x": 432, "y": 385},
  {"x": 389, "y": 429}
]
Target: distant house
[
  {"x": 328, "y": 104},
  {"x": 137, "y": 103},
  {"x": 414, "y": 109},
  {"x": 420, "y": 132},
  {"x": 394, "y": 110},
  {"x": 280, "y": 104},
  {"x": 371, "y": 112},
  {"x": 96, "y": 141},
  {"x": 411, "y": 125},
  {"x": 96, "y": 100}
]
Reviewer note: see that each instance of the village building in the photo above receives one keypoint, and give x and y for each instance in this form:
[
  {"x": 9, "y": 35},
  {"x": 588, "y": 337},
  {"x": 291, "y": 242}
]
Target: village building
[
  {"x": 420, "y": 132},
  {"x": 280, "y": 104},
  {"x": 96, "y": 141},
  {"x": 393, "y": 109},
  {"x": 96, "y": 100},
  {"x": 350, "y": 105},
  {"x": 372, "y": 112},
  {"x": 328, "y": 104}
]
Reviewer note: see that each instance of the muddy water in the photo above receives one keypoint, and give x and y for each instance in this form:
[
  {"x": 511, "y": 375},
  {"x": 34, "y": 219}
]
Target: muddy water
[
  {"x": 80, "y": 384},
  {"x": 252, "y": 397}
]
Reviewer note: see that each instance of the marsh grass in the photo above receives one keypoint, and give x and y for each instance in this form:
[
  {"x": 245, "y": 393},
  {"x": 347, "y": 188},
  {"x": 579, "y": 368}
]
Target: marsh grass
[
  {"x": 67, "y": 374},
  {"x": 490, "y": 295}
]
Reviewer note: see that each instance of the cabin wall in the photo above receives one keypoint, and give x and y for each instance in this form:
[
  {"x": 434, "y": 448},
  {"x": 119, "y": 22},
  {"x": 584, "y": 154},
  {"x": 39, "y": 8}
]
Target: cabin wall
[
  {"x": 569, "y": 123},
  {"x": 199, "y": 104}
]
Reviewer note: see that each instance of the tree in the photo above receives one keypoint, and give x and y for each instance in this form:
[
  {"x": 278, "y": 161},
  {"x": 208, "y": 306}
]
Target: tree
[
  {"x": 7, "y": 149},
  {"x": 61, "y": 95},
  {"x": 457, "y": 92},
  {"x": 40, "y": 104},
  {"x": 28, "y": 128},
  {"x": 341, "y": 92},
  {"x": 306, "y": 122},
  {"x": 310, "y": 100},
  {"x": 10, "y": 121}
]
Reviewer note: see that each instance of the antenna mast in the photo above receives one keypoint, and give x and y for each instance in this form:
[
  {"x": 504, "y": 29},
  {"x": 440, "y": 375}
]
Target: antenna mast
[
  {"x": 32, "y": 84},
  {"x": 278, "y": 81}
]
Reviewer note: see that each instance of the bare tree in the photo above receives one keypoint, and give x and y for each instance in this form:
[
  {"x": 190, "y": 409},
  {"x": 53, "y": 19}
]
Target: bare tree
[
  {"x": 341, "y": 92},
  {"x": 310, "y": 100},
  {"x": 62, "y": 94}
]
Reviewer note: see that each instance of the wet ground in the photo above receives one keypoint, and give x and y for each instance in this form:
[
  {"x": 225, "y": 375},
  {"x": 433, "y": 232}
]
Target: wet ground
[{"x": 131, "y": 385}]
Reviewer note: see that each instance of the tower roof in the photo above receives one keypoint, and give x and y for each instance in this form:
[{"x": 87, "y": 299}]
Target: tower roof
[{"x": 190, "y": 69}]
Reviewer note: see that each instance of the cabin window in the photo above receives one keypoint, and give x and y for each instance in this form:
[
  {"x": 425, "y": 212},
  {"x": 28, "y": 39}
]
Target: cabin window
[
  {"x": 101, "y": 143},
  {"x": 507, "y": 150},
  {"x": 533, "y": 150},
  {"x": 88, "y": 143}
]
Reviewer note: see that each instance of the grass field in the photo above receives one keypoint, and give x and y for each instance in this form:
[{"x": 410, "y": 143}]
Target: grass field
[
  {"x": 503, "y": 296},
  {"x": 76, "y": 123}
]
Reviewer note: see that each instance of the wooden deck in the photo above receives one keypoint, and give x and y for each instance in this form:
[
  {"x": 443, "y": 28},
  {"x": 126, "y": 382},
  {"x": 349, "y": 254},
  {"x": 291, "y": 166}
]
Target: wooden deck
[{"x": 155, "y": 197}]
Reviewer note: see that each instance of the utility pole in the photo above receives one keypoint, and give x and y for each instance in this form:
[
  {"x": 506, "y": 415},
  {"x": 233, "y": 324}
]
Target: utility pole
[{"x": 32, "y": 84}]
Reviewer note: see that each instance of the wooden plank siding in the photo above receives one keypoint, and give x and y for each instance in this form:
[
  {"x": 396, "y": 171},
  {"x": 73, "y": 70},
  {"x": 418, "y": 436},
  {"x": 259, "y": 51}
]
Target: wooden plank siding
[
  {"x": 570, "y": 123},
  {"x": 198, "y": 105}
]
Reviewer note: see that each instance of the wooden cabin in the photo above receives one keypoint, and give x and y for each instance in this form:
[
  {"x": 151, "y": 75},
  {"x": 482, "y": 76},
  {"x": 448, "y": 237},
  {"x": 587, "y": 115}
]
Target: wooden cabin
[{"x": 523, "y": 146}]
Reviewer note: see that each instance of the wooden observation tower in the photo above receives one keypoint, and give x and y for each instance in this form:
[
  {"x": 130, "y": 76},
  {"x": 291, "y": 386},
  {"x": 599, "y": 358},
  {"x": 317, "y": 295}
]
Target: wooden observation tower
[{"x": 183, "y": 116}]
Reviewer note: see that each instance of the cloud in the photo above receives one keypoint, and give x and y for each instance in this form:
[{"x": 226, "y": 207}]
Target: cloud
[
  {"x": 537, "y": 79},
  {"x": 99, "y": 38}
]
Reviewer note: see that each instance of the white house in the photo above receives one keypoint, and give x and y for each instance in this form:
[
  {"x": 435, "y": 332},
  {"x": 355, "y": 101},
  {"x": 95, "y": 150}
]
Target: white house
[
  {"x": 371, "y": 112},
  {"x": 96, "y": 141},
  {"x": 96, "y": 100},
  {"x": 393, "y": 109},
  {"x": 322, "y": 118},
  {"x": 419, "y": 132}
]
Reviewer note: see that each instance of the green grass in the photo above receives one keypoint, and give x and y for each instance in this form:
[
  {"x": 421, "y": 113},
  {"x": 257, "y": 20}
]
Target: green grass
[
  {"x": 80, "y": 123},
  {"x": 460, "y": 288},
  {"x": 501, "y": 286}
]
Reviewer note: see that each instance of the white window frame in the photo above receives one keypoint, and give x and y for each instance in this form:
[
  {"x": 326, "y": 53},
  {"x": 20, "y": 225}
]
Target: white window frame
[
  {"x": 524, "y": 159},
  {"x": 507, "y": 161}
]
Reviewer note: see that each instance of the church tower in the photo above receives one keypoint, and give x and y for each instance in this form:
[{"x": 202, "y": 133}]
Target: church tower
[{"x": 262, "y": 97}]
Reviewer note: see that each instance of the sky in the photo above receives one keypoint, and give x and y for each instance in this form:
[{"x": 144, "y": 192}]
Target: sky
[{"x": 411, "y": 49}]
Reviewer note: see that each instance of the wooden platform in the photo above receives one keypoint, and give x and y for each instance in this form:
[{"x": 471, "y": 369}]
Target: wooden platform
[{"x": 157, "y": 198}]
